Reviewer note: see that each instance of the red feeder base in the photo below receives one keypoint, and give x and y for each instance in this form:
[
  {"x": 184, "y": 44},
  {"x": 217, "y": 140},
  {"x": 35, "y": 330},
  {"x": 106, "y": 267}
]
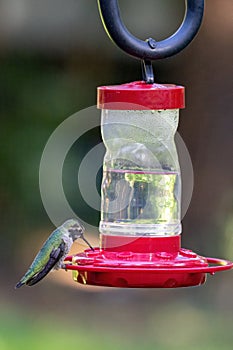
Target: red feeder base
[{"x": 144, "y": 262}]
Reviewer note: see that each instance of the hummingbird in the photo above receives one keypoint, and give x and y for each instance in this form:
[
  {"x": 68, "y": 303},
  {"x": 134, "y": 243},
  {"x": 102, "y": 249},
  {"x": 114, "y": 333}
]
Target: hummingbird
[{"x": 53, "y": 252}]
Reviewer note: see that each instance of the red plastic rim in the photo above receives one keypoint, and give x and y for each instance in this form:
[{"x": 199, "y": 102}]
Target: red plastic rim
[{"x": 80, "y": 262}]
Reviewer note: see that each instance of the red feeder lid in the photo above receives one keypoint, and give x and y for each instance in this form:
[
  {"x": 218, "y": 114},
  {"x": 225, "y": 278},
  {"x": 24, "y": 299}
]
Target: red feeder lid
[{"x": 138, "y": 96}]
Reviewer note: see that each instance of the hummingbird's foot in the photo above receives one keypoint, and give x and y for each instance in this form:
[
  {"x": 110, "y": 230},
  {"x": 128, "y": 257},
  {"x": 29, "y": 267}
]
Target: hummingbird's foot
[{"x": 63, "y": 266}]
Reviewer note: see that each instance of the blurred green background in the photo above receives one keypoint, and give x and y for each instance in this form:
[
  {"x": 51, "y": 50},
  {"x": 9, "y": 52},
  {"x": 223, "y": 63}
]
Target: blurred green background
[{"x": 53, "y": 55}]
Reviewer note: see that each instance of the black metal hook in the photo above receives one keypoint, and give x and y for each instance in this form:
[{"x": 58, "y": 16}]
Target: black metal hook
[{"x": 150, "y": 49}]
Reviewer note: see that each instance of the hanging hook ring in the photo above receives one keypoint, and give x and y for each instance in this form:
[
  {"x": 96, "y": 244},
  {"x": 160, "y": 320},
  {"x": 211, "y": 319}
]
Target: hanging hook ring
[{"x": 151, "y": 49}]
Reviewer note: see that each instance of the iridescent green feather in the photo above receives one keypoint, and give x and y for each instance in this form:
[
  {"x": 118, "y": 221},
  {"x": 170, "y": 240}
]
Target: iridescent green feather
[{"x": 41, "y": 259}]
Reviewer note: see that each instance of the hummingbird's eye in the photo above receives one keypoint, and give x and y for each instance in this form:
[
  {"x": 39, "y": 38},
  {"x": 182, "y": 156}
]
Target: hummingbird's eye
[{"x": 75, "y": 231}]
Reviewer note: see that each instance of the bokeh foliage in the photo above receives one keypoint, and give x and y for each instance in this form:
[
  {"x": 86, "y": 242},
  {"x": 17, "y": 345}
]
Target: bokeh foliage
[{"x": 42, "y": 82}]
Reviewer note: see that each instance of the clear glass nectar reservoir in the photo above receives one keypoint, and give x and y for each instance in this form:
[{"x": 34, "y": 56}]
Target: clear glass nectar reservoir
[{"x": 141, "y": 186}]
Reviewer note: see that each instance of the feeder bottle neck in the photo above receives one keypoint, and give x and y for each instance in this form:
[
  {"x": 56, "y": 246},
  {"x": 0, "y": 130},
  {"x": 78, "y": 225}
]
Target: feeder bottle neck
[{"x": 141, "y": 187}]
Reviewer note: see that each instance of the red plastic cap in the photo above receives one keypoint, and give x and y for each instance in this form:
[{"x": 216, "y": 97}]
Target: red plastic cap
[{"x": 138, "y": 96}]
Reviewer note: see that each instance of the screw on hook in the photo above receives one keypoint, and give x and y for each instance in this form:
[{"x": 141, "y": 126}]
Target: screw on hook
[
  {"x": 152, "y": 43},
  {"x": 150, "y": 49}
]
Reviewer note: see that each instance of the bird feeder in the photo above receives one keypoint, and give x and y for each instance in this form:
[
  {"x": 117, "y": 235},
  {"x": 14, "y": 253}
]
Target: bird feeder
[{"x": 140, "y": 227}]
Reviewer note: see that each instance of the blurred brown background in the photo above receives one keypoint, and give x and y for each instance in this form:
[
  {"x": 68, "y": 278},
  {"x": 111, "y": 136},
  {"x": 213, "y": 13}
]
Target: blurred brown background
[{"x": 53, "y": 55}]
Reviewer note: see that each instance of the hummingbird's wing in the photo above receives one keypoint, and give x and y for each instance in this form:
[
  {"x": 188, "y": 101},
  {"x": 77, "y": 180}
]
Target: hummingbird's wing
[{"x": 54, "y": 258}]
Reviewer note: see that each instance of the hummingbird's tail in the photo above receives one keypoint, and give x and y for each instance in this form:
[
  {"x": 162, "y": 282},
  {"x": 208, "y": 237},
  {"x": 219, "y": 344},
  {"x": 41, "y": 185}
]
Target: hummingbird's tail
[
  {"x": 19, "y": 284},
  {"x": 24, "y": 279}
]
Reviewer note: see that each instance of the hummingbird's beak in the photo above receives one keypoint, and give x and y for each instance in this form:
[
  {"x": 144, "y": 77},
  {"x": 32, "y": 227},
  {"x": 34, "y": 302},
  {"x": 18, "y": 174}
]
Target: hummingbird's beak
[{"x": 84, "y": 239}]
